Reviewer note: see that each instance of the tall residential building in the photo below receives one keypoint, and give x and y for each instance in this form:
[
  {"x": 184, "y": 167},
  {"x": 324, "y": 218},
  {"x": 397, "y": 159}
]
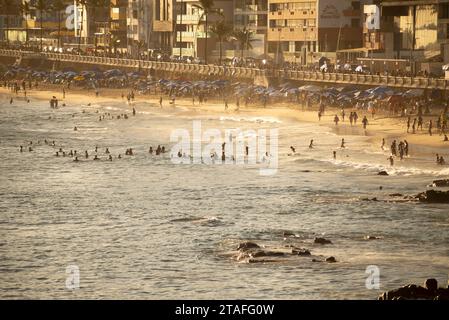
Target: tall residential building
[
  {"x": 11, "y": 21},
  {"x": 139, "y": 21},
  {"x": 190, "y": 31},
  {"x": 118, "y": 24},
  {"x": 304, "y": 30},
  {"x": 164, "y": 24},
  {"x": 417, "y": 31},
  {"x": 253, "y": 15}
]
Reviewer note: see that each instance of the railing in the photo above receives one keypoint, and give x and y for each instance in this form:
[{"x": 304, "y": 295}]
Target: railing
[{"x": 241, "y": 72}]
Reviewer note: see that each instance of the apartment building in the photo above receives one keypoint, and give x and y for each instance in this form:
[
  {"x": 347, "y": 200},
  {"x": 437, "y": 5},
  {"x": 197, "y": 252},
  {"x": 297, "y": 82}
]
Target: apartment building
[
  {"x": 253, "y": 15},
  {"x": 304, "y": 30},
  {"x": 139, "y": 22}
]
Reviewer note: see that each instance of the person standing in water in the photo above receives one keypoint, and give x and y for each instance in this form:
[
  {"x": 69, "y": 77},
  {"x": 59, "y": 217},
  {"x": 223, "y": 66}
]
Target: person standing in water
[
  {"x": 311, "y": 144},
  {"x": 365, "y": 122},
  {"x": 134, "y": 111},
  {"x": 342, "y": 144},
  {"x": 335, "y": 155},
  {"x": 160, "y": 101},
  {"x": 391, "y": 160},
  {"x": 383, "y": 144}
]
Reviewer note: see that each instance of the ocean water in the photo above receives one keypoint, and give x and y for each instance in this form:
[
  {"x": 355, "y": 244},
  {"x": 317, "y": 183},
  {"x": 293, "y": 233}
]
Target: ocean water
[{"x": 143, "y": 227}]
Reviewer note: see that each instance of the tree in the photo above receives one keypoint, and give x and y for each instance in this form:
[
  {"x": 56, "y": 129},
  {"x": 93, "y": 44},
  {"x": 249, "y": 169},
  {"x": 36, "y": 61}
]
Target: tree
[
  {"x": 222, "y": 31},
  {"x": 58, "y": 7},
  {"x": 25, "y": 10},
  {"x": 245, "y": 39},
  {"x": 207, "y": 8}
]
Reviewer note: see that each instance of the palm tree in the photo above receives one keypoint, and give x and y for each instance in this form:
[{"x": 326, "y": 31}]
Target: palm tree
[
  {"x": 41, "y": 6},
  {"x": 58, "y": 7},
  {"x": 244, "y": 38},
  {"x": 207, "y": 8},
  {"x": 25, "y": 10},
  {"x": 222, "y": 31}
]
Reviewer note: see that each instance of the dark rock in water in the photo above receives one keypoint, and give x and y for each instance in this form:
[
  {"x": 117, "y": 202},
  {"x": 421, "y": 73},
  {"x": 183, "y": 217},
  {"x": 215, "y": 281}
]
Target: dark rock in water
[
  {"x": 396, "y": 195},
  {"x": 434, "y": 196},
  {"x": 431, "y": 284},
  {"x": 371, "y": 238},
  {"x": 430, "y": 291},
  {"x": 441, "y": 183},
  {"x": 322, "y": 241},
  {"x": 288, "y": 234},
  {"x": 383, "y": 173},
  {"x": 301, "y": 252},
  {"x": 331, "y": 260},
  {"x": 247, "y": 245}
]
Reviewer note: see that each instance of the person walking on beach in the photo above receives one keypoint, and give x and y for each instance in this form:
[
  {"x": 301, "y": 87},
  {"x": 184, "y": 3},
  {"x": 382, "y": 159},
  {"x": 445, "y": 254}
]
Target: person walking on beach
[
  {"x": 406, "y": 148},
  {"x": 342, "y": 144},
  {"x": 383, "y": 144},
  {"x": 335, "y": 155},
  {"x": 355, "y": 116},
  {"x": 336, "y": 120},
  {"x": 414, "y": 126},
  {"x": 365, "y": 122},
  {"x": 134, "y": 111},
  {"x": 351, "y": 118},
  {"x": 408, "y": 124},
  {"x": 160, "y": 101},
  {"x": 420, "y": 122},
  {"x": 430, "y": 128},
  {"x": 319, "y": 115},
  {"x": 343, "y": 114}
]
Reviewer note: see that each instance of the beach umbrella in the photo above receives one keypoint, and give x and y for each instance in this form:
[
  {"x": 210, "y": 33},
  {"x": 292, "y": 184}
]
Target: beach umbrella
[{"x": 310, "y": 88}]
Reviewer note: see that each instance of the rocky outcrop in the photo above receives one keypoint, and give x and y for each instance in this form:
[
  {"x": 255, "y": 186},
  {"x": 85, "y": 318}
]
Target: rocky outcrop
[
  {"x": 441, "y": 183},
  {"x": 429, "y": 291},
  {"x": 322, "y": 241},
  {"x": 434, "y": 196}
]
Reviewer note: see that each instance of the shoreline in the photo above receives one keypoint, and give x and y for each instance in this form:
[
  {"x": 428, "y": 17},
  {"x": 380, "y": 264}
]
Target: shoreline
[{"x": 380, "y": 127}]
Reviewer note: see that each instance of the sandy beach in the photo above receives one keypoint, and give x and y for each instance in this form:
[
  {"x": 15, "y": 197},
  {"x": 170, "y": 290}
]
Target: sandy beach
[{"x": 380, "y": 127}]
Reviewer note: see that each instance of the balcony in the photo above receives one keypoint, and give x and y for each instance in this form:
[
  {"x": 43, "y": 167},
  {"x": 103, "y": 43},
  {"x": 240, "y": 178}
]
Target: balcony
[
  {"x": 190, "y": 36},
  {"x": 188, "y": 19},
  {"x": 162, "y": 26},
  {"x": 251, "y": 9}
]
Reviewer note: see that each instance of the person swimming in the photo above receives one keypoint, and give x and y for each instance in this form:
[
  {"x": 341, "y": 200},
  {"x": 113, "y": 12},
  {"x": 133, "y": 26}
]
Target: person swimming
[
  {"x": 293, "y": 149},
  {"x": 119, "y": 156},
  {"x": 21, "y": 148},
  {"x": 335, "y": 155},
  {"x": 110, "y": 158},
  {"x": 30, "y": 149},
  {"x": 57, "y": 153},
  {"x": 75, "y": 129},
  {"x": 76, "y": 159},
  {"x": 107, "y": 151},
  {"x": 151, "y": 150},
  {"x": 86, "y": 154},
  {"x": 96, "y": 158}
]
